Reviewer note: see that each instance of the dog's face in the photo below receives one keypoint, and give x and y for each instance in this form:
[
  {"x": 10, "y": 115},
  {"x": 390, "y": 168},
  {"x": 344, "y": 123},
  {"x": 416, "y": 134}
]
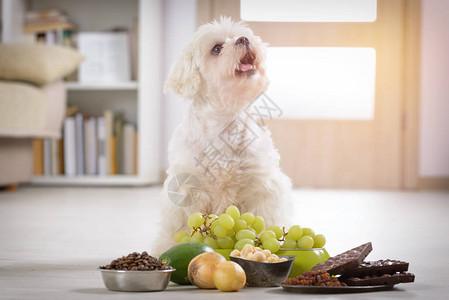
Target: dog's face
[{"x": 223, "y": 65}]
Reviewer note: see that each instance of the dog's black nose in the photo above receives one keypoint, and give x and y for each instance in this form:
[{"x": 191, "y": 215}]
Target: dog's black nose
[{"x": 242, "y": 40}]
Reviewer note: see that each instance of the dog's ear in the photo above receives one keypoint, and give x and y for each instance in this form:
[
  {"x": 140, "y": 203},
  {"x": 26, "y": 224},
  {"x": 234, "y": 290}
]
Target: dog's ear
[{"x": 184, "y": 77}]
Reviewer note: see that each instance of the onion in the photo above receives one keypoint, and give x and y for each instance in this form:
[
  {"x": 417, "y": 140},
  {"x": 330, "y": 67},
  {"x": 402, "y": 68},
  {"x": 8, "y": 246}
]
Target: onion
[
  {"x": 202, "y": 267},
  {"x": 229, "y": 276}
]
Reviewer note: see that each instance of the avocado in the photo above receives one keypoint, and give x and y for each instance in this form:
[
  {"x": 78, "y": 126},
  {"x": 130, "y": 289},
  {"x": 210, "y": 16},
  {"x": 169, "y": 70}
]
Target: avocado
[{"x": 179, "y": 257}]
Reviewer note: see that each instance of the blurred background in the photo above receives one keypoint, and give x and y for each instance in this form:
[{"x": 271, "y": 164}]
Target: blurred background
[{"x": 362, "y": 85}]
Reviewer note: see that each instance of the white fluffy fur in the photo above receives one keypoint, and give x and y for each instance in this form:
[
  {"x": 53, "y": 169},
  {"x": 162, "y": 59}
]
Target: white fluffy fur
[{"x": 253, "y": 182}]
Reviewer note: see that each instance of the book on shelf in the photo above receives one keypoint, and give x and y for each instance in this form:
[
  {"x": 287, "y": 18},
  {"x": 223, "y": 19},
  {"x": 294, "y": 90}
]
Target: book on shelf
[
  {"x": 86, "y": 149},
  {"x": 42, "y": 14},
  {"x": 108, "y": 116},
  {"x": 90, "y": 145},
  {"x": 48, "y": 157},
  {"x": 38, "y": 153},
  {"x": 79, "y": 144},
  {"x": 90, "y": 142},
  {"x": 113, "y": 161},
  {"x": 54, "y": 154},
  {"x": 128, "y": 148},
  {"x": 136, "y": 152},
  {"x": 48, "y": 26},
  {"x": 69, "y": 147},
  {"x": 107, "y": 57},
  {"x": 118, "y": 132},
  {"x": 60, "y": 156},
  {"x": 37, "y": 21},
  {"x": 101, "y": 145}
]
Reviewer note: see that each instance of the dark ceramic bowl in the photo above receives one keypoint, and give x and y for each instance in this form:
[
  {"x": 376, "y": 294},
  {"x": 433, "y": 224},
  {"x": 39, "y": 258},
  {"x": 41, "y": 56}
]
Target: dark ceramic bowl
[{"x": 264, "y": 274}]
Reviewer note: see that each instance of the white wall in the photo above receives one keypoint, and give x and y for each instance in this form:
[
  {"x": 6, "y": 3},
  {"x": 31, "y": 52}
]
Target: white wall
[
  {"x": 434, "y": 119},
  {"x": 179, "y": 25}
]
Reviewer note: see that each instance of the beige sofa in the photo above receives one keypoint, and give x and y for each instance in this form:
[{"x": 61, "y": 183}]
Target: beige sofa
[
  {"x": 27, "y": 112},
  {"x": 32, "y": 103}
]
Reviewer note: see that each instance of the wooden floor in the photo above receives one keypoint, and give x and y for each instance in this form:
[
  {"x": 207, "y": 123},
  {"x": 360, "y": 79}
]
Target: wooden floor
[{"x": 53, "y": 239}]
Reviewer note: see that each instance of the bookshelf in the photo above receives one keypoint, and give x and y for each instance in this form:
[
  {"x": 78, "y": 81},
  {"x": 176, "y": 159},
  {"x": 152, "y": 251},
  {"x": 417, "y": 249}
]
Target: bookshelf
[
  {"x": 127, "y": 85},
  {"x": 138, "y": 100},
  {"x": 91, "y": 180}
]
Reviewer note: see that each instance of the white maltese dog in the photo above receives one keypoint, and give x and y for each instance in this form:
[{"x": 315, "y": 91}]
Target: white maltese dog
[{"x": 219, "y": 155}]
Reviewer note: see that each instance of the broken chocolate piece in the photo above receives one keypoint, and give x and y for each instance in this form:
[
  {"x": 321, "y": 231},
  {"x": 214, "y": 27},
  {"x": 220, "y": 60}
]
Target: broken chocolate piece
[
  {"x": 345, "y": 261},
  {"x": 385, "y": 279},
  {"x": 378, "y": 267}
]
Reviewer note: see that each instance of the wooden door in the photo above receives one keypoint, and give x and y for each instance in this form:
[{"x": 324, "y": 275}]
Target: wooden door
[{"x": 341, "y": 153}]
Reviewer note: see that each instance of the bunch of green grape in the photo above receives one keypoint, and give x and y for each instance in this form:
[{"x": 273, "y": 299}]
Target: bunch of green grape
[
  {"x": 302, "y": 238},
  {"x": 233, "y": 230}
]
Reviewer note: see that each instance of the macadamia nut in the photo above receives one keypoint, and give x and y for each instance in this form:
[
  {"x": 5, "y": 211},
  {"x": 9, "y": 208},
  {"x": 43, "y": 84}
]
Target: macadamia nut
[{"x": 258, "y": 254}]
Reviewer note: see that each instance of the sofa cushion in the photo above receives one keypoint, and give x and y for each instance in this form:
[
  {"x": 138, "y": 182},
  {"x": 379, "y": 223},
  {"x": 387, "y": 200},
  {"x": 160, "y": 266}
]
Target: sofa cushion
[
  {"x": 29, "y": 111},
  {"x": 16, "y": 160},
  {"x": 38, "y": 64}
]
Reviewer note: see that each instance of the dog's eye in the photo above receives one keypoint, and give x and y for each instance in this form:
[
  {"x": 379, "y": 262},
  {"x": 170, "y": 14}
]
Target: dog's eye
[{"x": 216, "y": 50}]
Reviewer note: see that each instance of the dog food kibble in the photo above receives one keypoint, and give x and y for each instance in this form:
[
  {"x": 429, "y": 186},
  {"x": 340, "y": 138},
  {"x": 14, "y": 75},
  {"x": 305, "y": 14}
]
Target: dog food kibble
[
  {"x": 315, "y": 278},
  {"x": 136, "y": 262}
]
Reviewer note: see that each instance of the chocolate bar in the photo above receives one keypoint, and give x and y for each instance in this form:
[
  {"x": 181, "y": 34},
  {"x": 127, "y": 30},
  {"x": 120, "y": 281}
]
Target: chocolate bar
[
  {"x": 386, "y": 279},
  {"x": 379, "y": 268},
  {"x": 345, "y": 261}
]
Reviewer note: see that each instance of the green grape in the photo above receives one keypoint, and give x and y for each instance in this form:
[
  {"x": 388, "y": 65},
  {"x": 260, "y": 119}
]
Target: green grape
[
  {"x": 295, "y": 232},
  {"x": 267, "y": 234},
  {"x": 308, "y": 231},
  {"x": 230, "y": 233},
  {"x": 195, "y": 220},
  {"x": 214, "y": 224},
  {"x": 245, "y": 234},
  {"x": 252, "y": 229},
  {"x": 185, "y": 239},
  {"x": 225, "y": 242},
  {"x": 258, "y": 224},
  {"x": 196, "y": 237},
  {"x": 226, "y": 221},
  {"x": 233, "y": 211},
  {"x": 319, "y": 241},
  {"x": 239, "y": 245},
  {"x": 248, "y": 218},
  {"x": 210, "y": 242},
  {"x": 219, "y": 231},
  {"x": 210, "y": 218},
  {"x": 289, "y": 244},
  {"x": 179, "y": 235},
  {"x": 306, "y": 242},
  {"x": 239, "y": 225},
  {"x": 278, "y": 230},
  {"x": 271, "y": 244}
]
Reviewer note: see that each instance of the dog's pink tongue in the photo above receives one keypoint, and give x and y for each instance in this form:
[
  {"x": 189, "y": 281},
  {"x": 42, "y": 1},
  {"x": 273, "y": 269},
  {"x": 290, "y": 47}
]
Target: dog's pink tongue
[{"x": 245, "y": 67}]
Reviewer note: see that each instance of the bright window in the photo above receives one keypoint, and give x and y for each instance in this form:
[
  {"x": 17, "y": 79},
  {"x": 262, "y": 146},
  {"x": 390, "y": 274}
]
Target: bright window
[
  {"x": 322, "y": 83},
  {"x": 308, "y": 10}
]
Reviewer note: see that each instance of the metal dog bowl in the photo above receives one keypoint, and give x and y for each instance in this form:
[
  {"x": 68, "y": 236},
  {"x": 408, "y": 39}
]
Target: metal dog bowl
[
  {"x": 136, "y": 281},
  {"x": 263, "y": 273}
]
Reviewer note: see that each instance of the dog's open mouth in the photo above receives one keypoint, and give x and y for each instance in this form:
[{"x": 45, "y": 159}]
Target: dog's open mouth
[{"x": 246, "y": 65}]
